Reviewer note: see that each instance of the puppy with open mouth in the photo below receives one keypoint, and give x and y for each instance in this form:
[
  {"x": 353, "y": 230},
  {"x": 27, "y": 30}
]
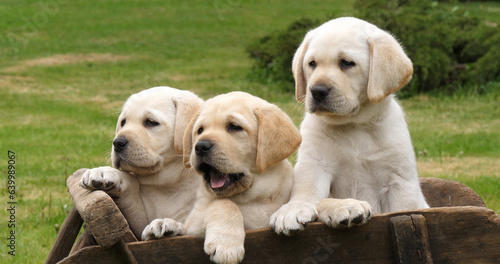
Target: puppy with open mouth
[{"x": 239, "y": 143}]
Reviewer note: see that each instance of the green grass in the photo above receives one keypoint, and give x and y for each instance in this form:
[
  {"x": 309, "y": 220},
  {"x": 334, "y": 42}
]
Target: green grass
[
  {"x": 459, "y": 127},
  {"x": 458, "y": 138},
  {"x": 63, "y": 80}
]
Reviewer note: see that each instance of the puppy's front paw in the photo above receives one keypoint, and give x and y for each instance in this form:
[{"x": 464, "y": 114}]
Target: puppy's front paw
[
  {"x": 343, "y": 212},
  {"x": 104, "y": 178},
  {"x": 160, "y": 228},
  {"x": 226, "y": 249},
  {"x": 292, "y": 218}
]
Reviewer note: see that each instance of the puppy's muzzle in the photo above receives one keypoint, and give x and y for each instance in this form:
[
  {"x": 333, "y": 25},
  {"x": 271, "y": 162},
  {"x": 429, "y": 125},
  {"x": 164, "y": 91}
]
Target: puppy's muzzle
[
  {"x": 203, "y": 147},
  {"x": 120, "y": 144},
  {"x": 319, "y": 92}
]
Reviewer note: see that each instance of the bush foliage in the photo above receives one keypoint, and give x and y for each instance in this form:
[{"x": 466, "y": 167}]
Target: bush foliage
[
  {"x": 273, "y": 53},
  {"x": 449, "y": 48}
]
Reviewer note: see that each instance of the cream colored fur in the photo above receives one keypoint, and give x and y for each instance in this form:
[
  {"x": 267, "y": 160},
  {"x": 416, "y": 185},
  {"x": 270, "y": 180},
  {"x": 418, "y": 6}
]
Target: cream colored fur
[
  {"x": 356, "y": 157},
  {"x": 148, "y": 178},
  {"x": 248, "y": 137}
]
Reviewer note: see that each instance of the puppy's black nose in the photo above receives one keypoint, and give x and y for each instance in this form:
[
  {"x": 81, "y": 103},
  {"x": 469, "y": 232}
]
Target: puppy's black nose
[
  {"x": 319, "y": 92},
  {"x": 202, "y": 147},
  {"x": 120, "y": 144}
]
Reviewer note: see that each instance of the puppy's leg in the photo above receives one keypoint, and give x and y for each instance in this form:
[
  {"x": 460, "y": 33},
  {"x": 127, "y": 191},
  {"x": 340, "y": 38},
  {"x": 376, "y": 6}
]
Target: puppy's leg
[
  {"x": 403, "y": 195},
  {"x": 343, "y": 212},
  {"x": 124, "y": 188},
  {"x": 312, "y": 183},
  {"x": 160, "y": 228},
  {"x": 224, "y": 231}
]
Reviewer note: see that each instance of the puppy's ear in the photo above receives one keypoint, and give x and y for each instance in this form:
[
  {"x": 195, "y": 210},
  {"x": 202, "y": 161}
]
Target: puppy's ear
[
  {"x": 278, "y": 137},
  {"x": 186, "y": 108},
  {"x": 298, "y": 70},
  {"x": 390, "y": 68},
  {"x": 188, "y": 142}
]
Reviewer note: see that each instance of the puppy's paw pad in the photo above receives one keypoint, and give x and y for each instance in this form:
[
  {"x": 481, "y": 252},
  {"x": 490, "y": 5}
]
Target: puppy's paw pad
[
  {"x": 160, "y": 228},
  {"x": 292, "y": 218},
  {"x": 98, "y": 184},
  {"x": 358, "y": 219},
  {"x": 345, "y": 222},
  {"x": 103, "y": 178},
  {"x": 338, "y": 213}
]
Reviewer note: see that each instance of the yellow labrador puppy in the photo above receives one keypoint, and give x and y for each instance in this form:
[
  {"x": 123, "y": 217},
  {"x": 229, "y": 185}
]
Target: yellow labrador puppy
[
  {"x": 148, "y": 177},
  {"x": 356, "y": 157},
  {"x": 239, "y": 144}
]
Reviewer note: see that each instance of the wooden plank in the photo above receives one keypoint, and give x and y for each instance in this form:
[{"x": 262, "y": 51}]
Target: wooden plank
[
  {"x": 94, "y": 254},
  {"x": 411, "y": 242},
  {"x": 65, "y": 237},
  {"x": 84, "y": 240},
  {"x": 100, "y": 213},
  {"x": 441, "y": 192},
  {"x": 125, "y": 252},
  {"x": 456, "y": 235}
]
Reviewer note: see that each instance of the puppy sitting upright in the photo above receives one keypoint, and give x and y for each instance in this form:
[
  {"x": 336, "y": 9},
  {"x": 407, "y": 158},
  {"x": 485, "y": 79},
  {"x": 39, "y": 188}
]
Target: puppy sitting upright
[
  {"x": 149, "y": 180},
  {"x": 356, "y": 150},
  {"x": 239, "y": 144}
]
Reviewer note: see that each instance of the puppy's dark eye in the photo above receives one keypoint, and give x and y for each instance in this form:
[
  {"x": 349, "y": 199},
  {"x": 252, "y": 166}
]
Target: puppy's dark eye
[
  {"x": 150, "y": 123},
  {"x": 345, "y": 64},
  {"x": 200, "y": 130},
  {"x": 312, "y": 64},
  {"x": 122, "y": 124},
  {"x": 233, "y": 127}
]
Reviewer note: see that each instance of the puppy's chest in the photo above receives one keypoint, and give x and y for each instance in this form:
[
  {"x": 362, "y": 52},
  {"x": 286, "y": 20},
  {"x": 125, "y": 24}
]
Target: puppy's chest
[
  {"x": 355, "y": 145},
  {"x": 358, "y": 153},
  {"x": 360, "y": 160},
  {"x": 161, "y": 203},
  {"x": 257, "y": 215}
]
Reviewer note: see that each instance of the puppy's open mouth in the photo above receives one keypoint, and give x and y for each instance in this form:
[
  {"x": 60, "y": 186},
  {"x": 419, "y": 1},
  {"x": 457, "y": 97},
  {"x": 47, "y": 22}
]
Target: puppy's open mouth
[{"x": 219, "y": 180}]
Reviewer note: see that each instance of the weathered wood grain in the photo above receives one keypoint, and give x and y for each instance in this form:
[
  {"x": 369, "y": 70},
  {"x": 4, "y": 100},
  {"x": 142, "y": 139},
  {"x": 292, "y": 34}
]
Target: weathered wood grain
[
  {"x": 65, "y": 237},
  {"x": 410, "y": 239},
  {"x": 84, "y": 240},
  {"x": 440, "y": 193},
  {"x": 100, "y": 213},
  {"x": 466, "y": 234}
]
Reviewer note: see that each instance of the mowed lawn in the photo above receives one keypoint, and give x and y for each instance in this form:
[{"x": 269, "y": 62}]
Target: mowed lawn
[{"x": 66, "y": 68}]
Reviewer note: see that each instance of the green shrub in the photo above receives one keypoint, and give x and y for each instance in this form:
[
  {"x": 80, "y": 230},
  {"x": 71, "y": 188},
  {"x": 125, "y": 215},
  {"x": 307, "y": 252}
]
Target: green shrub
[
  {"x": 448, "y": 47},
  {"x": 487, "y": 67},
  {"x": 466, "y": 1},
  {"x": 273, "y": 53}
]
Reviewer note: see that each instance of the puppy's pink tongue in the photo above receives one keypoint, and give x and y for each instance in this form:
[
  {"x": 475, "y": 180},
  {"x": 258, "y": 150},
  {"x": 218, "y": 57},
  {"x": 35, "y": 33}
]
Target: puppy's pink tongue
[{"x": 217, "y": 180}]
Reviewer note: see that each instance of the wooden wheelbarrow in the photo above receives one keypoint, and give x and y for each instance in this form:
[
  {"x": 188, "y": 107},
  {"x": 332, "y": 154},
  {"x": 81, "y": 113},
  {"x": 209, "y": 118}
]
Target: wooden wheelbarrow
[{"x": 457, "y": 229}]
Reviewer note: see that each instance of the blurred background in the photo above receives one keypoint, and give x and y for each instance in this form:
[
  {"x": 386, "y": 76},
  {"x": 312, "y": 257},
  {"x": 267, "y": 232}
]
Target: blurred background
[{"x": 66, "y": 67}]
